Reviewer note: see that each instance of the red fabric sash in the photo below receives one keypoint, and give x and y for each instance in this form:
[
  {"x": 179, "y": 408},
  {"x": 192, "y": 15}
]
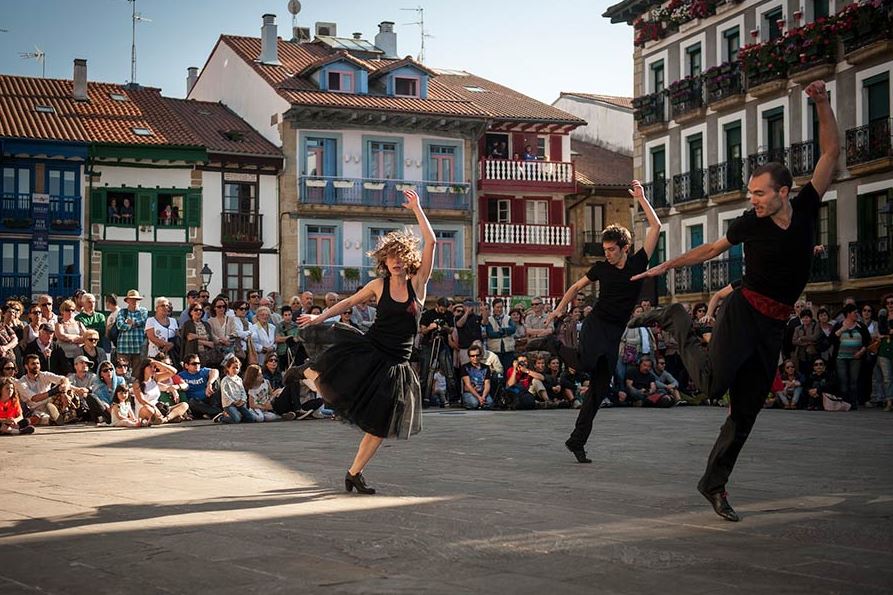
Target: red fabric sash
[{"x": 766, "y": 305}]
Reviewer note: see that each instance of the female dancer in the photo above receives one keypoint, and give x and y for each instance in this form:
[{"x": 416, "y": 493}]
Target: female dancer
[{"x": 367, "y": 378}]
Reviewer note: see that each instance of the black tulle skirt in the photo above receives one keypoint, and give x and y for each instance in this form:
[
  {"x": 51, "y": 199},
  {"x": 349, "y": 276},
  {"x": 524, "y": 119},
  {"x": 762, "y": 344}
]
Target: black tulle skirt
[{"x": 378, "y": 393}]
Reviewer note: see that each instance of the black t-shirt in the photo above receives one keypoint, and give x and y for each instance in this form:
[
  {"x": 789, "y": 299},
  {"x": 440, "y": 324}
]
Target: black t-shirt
[
  {"x": 641, "y": 381},
  {"x": 432, "y": 315},
  {"x": 469, "y": 332},
  {"x": 617, "y": 295},
  {"x": 778, "y": 261}
]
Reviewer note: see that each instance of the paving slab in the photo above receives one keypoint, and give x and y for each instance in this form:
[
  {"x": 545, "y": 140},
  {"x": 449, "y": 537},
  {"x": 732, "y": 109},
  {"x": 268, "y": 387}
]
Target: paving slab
[{"x": 479, "y": 502}]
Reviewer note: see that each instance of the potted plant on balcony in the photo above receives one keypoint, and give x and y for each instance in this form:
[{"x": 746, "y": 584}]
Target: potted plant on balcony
[
  {"x": 763, "y": 62},
  {"x": 316, "y": 183},
  {"x": 18, "y": 223},
  {"x": 810, "y": 45},
  {"x": 861, "y": 21},
  {"x": 373, "y": 185},
  {"x": 351, "y": 274},
  {"x": 437, "y": 189},
  {"x": 314, "y": 272},
  {"x": 402, "y": 187},
  {"x": 458, "y": 189},
  {"x": 437, "y": 275},
  {"x": 343, "y": 184}
]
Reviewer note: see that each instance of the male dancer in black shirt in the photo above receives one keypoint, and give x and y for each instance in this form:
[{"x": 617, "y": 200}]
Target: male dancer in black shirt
[
  {"x": 778, "y": 234},
  {"x": 602, "y": 329}
]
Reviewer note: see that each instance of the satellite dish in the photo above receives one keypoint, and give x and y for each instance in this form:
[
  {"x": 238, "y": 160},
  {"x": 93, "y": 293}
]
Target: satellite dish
[{"x": 294, "y": 7}]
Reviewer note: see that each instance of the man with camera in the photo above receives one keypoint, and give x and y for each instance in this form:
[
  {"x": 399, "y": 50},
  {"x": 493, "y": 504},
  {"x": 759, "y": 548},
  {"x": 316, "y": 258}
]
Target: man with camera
[
  {"x": 524, "y": 384},
  {"x": 435, "y": 353}
]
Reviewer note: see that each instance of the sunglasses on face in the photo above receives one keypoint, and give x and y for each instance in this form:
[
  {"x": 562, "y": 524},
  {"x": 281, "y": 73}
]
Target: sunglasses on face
[
  {"x": 242, "y": 309},
  {"x": 192, "y": 363},
  {"x": 220, "y": 306},
  {"x": 92, "y": 339},
  {"x": 9, "y": 367},
  {"x": 474, "y": 355}
]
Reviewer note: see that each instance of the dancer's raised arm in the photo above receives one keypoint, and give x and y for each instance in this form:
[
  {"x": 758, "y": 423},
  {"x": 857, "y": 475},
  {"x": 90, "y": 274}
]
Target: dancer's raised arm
[
  {"x": 420, "y": 281},
  {"x": 653, "y": 234}
]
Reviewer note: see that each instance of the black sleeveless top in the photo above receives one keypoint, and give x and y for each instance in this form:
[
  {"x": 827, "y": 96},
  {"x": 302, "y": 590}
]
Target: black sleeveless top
[{"x": 396, "y": 323}]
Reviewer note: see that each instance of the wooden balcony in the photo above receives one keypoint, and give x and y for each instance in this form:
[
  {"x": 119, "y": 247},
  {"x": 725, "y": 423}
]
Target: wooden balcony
[
  {"x": 869, "y": 148},
  {"x": 520, "y": 238},
  {"x": 241, "y": 230},
  {"x": 527, "y": 175}
]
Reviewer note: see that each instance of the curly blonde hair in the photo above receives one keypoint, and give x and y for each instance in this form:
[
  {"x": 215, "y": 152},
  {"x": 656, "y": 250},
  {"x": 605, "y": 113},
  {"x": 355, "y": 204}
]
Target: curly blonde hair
[{"x": 401, "y": 244}]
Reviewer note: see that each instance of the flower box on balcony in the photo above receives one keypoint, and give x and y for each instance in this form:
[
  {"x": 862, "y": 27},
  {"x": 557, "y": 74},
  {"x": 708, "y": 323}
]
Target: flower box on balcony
[
  {"x": 317, "y": 183},
  {"x": 764, "y": 66},
  {"x": 18, "y": 223},
  {"x": 458, "y": 189},
  {"x": 866, "y": 29},
  {"x": 351, "y": 274},
  {"x": 437, "y": 189},
  {"x": 808, "y": 47},
  {"x": 65, "y": 224},
  {"x": 343, "y": 184},
  {"x": 404, "y": 187},
  {"x": 373, "y": 185}
]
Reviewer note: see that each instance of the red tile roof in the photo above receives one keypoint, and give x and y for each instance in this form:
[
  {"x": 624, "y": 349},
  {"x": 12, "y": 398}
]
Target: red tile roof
[
  {"x": 102, "y": 119},
  {"x": 597, "y": 166},
  {"x": 447, "y": 94},
  {"x": 625, "y": 102}
]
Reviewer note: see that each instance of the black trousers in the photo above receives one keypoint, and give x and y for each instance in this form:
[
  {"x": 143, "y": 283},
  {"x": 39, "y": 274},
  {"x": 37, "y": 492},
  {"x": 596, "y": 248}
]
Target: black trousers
[
  {"x": 209, "y": 406},
  {"x": 441, "y": 361},
  {"x": 96, "y": 411},
  {"x": 290, "y": 400},
  {"x": 741, "y": 358}
]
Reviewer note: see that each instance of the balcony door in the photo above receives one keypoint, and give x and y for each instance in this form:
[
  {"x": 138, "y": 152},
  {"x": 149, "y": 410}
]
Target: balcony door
[
  {"x": 499, "y": 280},
  {"x": 239, "y": 197},
  {"x": 695, "y": 238},
  {"x": 537, "y": 212},
  {"x": 320, "y": 247},
  {"x": 383, "y": 160},
  {"x": 732, "y": 43},
  {"x": 877, "y": 97},
  {"x": 657, "y": 76},
  {"x": 445, "y": 255},
  {"x": 241, "y": 276},
  {"x": 871, "y": 225},
  {"x": 321, "y": 156},
  {"x": 693, "y": 60},
  {"x": 732, "y": 141},
  {"x": 775, "y": 134},
  {"x": 735, "y": 256},
  {"x": 696, "y": 166},
  {"x": 442, "y": 163},
  {"x": 659, "y": 176}
]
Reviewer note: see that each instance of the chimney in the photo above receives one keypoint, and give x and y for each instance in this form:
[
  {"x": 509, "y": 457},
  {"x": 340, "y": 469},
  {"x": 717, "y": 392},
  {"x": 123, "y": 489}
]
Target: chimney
[
  {"x": 268, "y": 42},
  {"x": 191, "y": 77},
  {"x": 386, "y": 40},
  {"x": 79, "y": 92},
  {"x": 357, "y": 35}
]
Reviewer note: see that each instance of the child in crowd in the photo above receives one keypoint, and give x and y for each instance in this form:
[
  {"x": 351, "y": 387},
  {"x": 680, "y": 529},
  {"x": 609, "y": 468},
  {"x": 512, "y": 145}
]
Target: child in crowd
[
  {"x": 11, "y": 419},
  {"x": 233, "y": 396},
  {"x": 121, "y": 411},
  {"x": 260, "y": 394}
]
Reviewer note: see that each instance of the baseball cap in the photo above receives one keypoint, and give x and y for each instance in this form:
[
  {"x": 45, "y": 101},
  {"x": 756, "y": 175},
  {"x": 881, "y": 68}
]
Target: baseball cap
[{"x": 83, "y": 359}]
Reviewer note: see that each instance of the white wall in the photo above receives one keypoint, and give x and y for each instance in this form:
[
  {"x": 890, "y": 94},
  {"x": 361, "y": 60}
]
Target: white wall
[
  {"x": 268, "y": 196},
  {"x": 212, "y": 200},
  {"x": 228, "y": 79},
  {"x": 116, "y": 176},
  {"x": 606, "y": 126}
]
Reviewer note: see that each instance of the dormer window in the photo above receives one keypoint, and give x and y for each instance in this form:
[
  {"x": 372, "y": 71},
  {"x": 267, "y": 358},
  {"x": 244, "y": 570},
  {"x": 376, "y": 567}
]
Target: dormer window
[
  {"x": 340, "y": 81},
  {"x": 406, "y": 87}
]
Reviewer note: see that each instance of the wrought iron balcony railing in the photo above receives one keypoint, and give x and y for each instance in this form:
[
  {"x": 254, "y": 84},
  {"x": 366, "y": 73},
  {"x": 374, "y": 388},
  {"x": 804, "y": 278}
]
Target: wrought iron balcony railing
[
  {"x": 690, "y": 186},
  {"x": 871, "y": 258},
  {"x": 727, "y": 176},
  {"x": 869, "y": 142},
  {"x": 369, "y": 192}
]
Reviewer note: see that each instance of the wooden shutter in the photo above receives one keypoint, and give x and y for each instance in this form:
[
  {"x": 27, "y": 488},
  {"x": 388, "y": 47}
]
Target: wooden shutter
[
  {"x": 519, "y": 211},
  {"x": 97, "y": 206},
  {"x": 145, "y": 208},
  {"x": 556, "y": 281},
  {"x": 483, "y": 280},
  {"x": 832, "y": 222},
  {"x": 556, "y": 212},
  {"x": 194, "y": 207},
  {"x": 519, "y": 280},
  {"x": 555, "y": 148},
  {"x": 518, "y": 142},
  {"x": 111, "y": 264},
  {"x": 168, "y": 274}
]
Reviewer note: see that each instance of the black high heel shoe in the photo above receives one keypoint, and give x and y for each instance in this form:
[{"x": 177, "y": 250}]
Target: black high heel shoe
[{"x": 357, "y": 481}]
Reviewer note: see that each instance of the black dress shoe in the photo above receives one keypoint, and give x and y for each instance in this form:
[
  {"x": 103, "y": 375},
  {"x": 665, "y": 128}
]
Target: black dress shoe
[
  {"x": 720, "y": 505},
  {"x": 578, "y": 452},
  {"x": 357, "y": 481}
]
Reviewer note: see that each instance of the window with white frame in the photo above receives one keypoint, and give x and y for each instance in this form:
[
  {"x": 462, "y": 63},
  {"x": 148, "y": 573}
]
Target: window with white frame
[
  {"x": 542, "y": 148},
  {"x": 537, "y": 212},
  {"x": 499, "y": 210},
  {"x": 340, "y": 81},
  {"x": 446, "y": 249},
  {"x": 406, "y": 87},
  {"x": 500, "y": 280},
  {"x": 537, "y": 281}
]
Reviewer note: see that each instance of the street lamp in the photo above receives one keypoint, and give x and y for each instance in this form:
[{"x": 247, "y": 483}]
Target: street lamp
[{"x": 206, "y": 274}]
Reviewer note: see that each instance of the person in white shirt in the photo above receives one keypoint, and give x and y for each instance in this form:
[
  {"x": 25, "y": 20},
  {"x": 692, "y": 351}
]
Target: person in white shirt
[
  {"x": 263, "y": 333},
  {"x": 43, "y": 392},
  {"x": 161, "y": 328}
]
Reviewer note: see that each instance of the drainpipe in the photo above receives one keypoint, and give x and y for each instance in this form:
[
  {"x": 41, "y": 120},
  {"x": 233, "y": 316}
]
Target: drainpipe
[
  {"x": 475, "y": 217},
  {"x": 88, "y": 167}
]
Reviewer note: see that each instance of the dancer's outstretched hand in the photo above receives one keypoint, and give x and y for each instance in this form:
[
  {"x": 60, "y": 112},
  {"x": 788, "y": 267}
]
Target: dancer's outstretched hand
[
  {"x": 305, "y": 320},
  {"x": 652, "y": 272},
  {"x": 637, "y": 191},
  {"x": 412, "y": 199}
]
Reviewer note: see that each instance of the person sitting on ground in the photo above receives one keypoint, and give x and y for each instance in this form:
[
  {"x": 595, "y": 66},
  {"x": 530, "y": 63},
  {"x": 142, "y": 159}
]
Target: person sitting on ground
[
  {"x": 120, "y": 411},
  {"x": 8, "y": 368},
  {"x": 641, "y": 388},
  {"x": 272, "y": 373},
  {"x": 288, "y": 402},
  {"x": 476, "y": 381},
  {"x": 12, "y": 419},
  {"x": 519, "y": 384},
  {"x": 561, "y": 394},
  {"x": 122, "y": 370},
  {"x": 147, "y": 391},
  {"x": 665, "y": 383},
  {"x": 85, "y": 385},
  {"x": 260, "y": 394},
  {"x": 537, "y": 385},
  {"x": 232, "y": 394},
  {"x": 108, "y": 382},
  {"x": 580, "y": 381},
  {"x": 819, "y": 385},
  {"x": 43, "y": 393},
  {"x": 201, "y": 395}
]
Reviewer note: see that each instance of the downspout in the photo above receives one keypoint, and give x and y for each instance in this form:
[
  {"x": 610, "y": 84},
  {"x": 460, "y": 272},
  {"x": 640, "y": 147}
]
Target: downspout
[
  {"x": 475, "y": 216},
  {"x": 88, "y": 167}
]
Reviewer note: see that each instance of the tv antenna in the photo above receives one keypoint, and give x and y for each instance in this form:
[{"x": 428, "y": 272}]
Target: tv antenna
[
  {"x": 38, "y": 55},
  {"x": 134, "y": 17},
  {"x": 423, "y": 34},
  {"x": 294, "y": 7}
]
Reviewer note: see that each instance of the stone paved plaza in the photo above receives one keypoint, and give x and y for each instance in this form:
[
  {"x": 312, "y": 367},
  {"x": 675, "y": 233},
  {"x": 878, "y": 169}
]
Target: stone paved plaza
[{"x": 478, "y": 503}]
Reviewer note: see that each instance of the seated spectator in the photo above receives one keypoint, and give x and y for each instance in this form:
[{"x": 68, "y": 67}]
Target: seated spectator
[
  {"x": 197, "y": 338},
  {"x": 9, "y": 340},
  {"x": 122, "y": 370},
  {"x": 170, "y": 390},
  {"x": 147, "y": 392},
  {"x": 519, "y": 382},
  {"x": 580, "y": 382},
  {"x": 92, "y": 351},
  {"x": 44, "y": 393},
  {"x": 8, "y": 368},
  {"x": 121, "y": 412},
  {"x": 233, "y": 397},
  {"x": 84, "y": 384},
  {"x": 69, "y": 334},
  {"x": 666, "y": 384},
  {"x": 561, "y": 394},
  {"x": 819, "y": 385},
  {"x": 162, "y": 331},
  {"x": 201, "y": 395},
  {"x": 12, "y": 420},
  {"x": 345, "y": 319},
  {"x": 362, "y": 316},
  {"x": 641, "y": 387},
  {"x": 289, "y": 404},
  {"x": 260, "y": 394},
  {"x": 438, "y": 396},
  {"x": 42, "y": 346},
  {"x": 792, "y": 386},
  {"x": 108, "y": 382},
  {"x": 272, "y": 373},
  {"x": 476, "y": 381}
]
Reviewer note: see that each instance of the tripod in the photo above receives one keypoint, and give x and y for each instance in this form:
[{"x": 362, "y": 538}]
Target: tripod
[{"x": 439, "y": 360}]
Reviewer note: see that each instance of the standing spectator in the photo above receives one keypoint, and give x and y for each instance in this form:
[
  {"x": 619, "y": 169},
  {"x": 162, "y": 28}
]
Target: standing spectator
[
  {"x": 204, "y": 298},
  {"x": 260, "y": 394},
  {"x": 9, "y": 340},
  {"x": 147, "y": 391},
  {"x": 805, "y": 340},
  {"x": 535, "y": 322},
  {"x": 819, "y": 385},
  {"x": 42, "y": 346},
  {"x": 241, "y": 331},
  {"x": 85, "y": 385},
  {"x": 885, "y": 351},
  {"x": 200, "y": 393},
  {"x": 162, "y": 331},
  {"x": 197, "y": 338},
  {"x": 92, "y": 351},
  {"x": 520, "y": 331},
  {"x": 232, "y": 394},
  {"x": 131, "y": 325},
  {"x": 468, "y": 329},
  {"x": 476, "y": 381},
  {"x": 90, "y": 317},
  {"x": 263, "y": 333},
  {"x": 435, "y": 353},
  {"x": 288, "y": 348},
  {"x": 869, "y": 362},
  {"x": 110, "y": 338},
  {"x": 363, "y": 315},
  {"x": 825, "y": 342},
  {"x": 69, "y": 336},
  {"x": 275, "y": 318},
  {"x": 787, "y": 346},
  {"x": 306, "y": 304},
  {"x": 120, "y": 410},
  {"x": 11, "y": 419},
  {"x": 191, "y": 300},
  {"x": 43, "y": 393},
  {"x": 32, "y": 327},
  {"x": 500, "y": 331},
  {"x": 852, "y": 341},
  {"x": 791, "y": 386},
  {"x": 222, "y": 326},
  {"x": 253, "y": 304}
]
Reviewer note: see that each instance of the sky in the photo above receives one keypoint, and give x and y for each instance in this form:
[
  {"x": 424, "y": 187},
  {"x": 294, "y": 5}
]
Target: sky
[{"x": 538, "y": 48}]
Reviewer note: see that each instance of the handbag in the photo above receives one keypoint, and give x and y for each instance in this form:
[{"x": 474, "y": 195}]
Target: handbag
[
  {"x": 874, "y": 346},
  {"x": 630, "y": 354},
  {"x": 833, "y": 403},
  {"x": 251, "y": 354}
]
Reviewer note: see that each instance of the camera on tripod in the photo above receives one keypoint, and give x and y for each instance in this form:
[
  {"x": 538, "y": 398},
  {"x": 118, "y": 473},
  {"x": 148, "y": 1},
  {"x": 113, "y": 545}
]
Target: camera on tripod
[{"x": 443, "y": 327}]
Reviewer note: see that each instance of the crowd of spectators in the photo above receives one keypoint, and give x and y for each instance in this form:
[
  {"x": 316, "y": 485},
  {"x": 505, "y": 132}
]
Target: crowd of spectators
[{"x": 236, "y": 361}]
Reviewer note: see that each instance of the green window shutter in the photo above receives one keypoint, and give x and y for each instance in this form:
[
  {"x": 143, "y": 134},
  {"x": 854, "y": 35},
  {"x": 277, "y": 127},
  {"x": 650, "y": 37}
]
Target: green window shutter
[
  {"x": 111, "y": 267},
  {"x": 97, "y": 206},
  {"x": 145, "y": 208},
  {"x": 194, "y": 207},
  {"x": 832, "y": 222},
  {"x": 168, "y": 274}
]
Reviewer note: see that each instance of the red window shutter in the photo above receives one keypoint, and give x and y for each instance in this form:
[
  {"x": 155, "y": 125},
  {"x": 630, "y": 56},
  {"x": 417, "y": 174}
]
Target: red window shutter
[
  {"x": 556, "y": 212},
  {"x": 519, "y": 211},
  {"x": 483, "y": 280},
  {"x": 556, "y": 281},
  {"x": 484, "y": 208},
  {"x": 555, "y": 148},
  {"x": 519, "y": 280},
  {"x": 518, "y": 143}
]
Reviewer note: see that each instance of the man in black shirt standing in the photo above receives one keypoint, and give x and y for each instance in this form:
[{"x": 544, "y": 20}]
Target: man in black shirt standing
[
  {"x": 435, "y": 353},
  {"x": 778, "y": 234},
  {"x": 602, "y": 329}
]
